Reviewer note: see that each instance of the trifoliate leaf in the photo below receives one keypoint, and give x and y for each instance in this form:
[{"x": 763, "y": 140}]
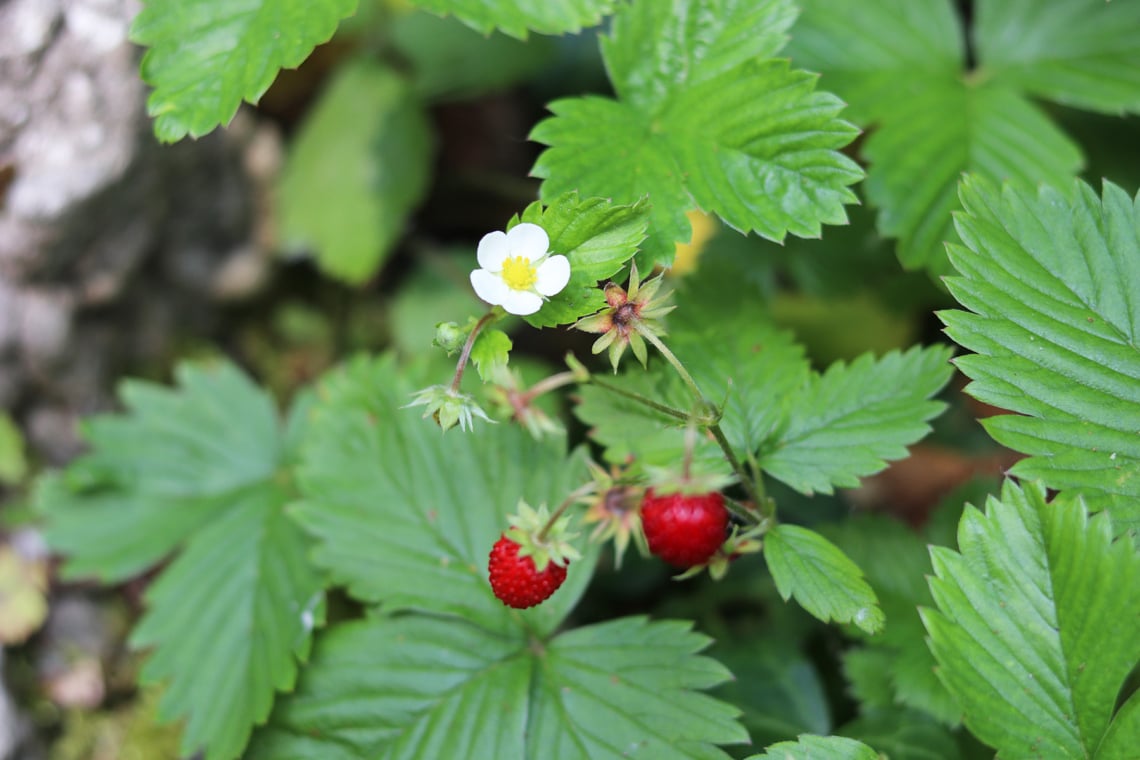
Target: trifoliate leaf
[
  {"x": 1076, "y": 52},
  {"x": 901, "y": 65},
  {"x": 704, "y": 119},
  {"x": 418, "y": 686},
  {"x": 406, "y": 517},
  {"x": 358, "y": 166},
  {"x": 196, "y": 467},
  {"x": 824, "y": 581},
  {"x": 518, "y": 17},
  {"x": 846, "y": 423},
  {"x": 492, "y": 348},
  {"x": 207, "y": 56},
  {"x": 819, "y": 748},
  {"x": 1038, "y": 625},
  {"x": 598, "y": 237},
  {"x": 1051, "y": 284}
]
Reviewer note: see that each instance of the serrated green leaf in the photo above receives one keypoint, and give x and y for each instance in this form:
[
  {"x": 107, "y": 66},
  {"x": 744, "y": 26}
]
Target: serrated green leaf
[
  {"x": 824, "y": 581},
  {"x": 492, "y": 348},
  {"x": 518, "y": 17},
  {"x": 206, "y": 56},
  {"x": 868, "y": 674},
  {"x": 1076, "y": 52},
  {"x": 819, "y": 748},
  {"x": 406, "y": 517},
  {"x": 926, "y": 142},
  {"x": 197, "y": 467},
  {"x": 416, "y": 686},
  {"x": 356, "y": 169},
  {"x": 184, "y": 441},
  {"x": 706, "y": 120},
  {"x": 598, "y": 237},
  {"x": 901, "y": 65},
  {"x": 880, "y": 53},
  {"x": 114, "y": 535},
  {"x": 847, "y": 422},
  {"x": 1051, "y": 285},
  {"x": 225, "y": 620},
  {"x": 1038, "y": 623}
]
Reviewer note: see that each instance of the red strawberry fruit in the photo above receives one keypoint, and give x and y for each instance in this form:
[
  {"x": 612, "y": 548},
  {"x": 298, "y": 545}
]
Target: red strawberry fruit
[
  {"x": 516, "y": 581},
  {"x": 683, "y": 529}
]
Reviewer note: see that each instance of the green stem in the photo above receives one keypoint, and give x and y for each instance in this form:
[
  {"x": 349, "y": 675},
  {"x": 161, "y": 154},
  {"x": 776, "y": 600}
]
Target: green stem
[
  {"x": 749, "y": 485},
  {"x": 664, "y": 409},
  {"x": 571, "y": 498},
  {"x": 465, "y": 354},
  {"x": 671, "y": 358}
]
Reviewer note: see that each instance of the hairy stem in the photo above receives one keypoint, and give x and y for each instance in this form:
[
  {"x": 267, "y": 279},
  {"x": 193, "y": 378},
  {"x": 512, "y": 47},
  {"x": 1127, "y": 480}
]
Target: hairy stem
[{"x": 465, "y": 354}]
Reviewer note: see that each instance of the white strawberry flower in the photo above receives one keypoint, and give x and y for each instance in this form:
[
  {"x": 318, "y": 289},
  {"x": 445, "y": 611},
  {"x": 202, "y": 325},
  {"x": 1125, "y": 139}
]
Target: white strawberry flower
[{"x": 517, "y": 271}]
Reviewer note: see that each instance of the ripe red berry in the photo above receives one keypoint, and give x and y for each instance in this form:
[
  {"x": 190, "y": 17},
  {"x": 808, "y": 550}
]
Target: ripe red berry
[
  {"x": 515, "y": 580},
  {"x": 684, "y": 529}
]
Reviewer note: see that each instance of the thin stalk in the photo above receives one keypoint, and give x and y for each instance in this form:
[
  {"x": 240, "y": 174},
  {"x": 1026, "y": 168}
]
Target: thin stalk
[
  {"x": 571, "y": 498},
  {"x": 671, "y": 358},
  {"x": 548, "y": 384},
  {"x": 663, "y": 408},
  {"x": 730, "y": 455},
  {"x": 465, "y": 354}
]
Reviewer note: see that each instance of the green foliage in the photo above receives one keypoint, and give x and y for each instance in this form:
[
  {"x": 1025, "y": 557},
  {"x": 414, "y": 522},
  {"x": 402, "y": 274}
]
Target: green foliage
[
  {"x": 895, "y": 667},
  {"x": 704, "y": 118},
  {"x": 451, "y": 61},
  {"x": 396, "y": 534},
  {"x": 812, "y": 431},
  {"x": 1051, "y": 285},
  {"x": 517, "y": 17},
  {"x": 206, "y": 56},
  {"x": 821, "y": 577},
  {"x": 393, "y": 531},
  {"x": 1038, "y": 626},
  {"x": 196, "y": 469},
  {"x": 819, "y": 748},
  {"x": 901, "y": 65},
  {"x": 356, "y": 169},
  {"x": 845, "y": 423},
  {"x": 903, "y": 735},
  {"x": 598, "y": 237},
  {"x": 491, "y": 349},
  {"x": 422, "y": 686}
]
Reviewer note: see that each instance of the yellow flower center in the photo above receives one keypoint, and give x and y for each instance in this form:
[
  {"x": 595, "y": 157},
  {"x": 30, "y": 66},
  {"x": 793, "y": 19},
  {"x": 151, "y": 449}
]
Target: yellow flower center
[{"x": 519, "y": 273}]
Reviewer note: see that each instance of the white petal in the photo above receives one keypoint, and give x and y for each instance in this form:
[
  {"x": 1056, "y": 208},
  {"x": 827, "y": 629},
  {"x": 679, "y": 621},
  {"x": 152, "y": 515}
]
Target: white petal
[
  {"x": 493, "y": 250},
  {"x": 521, "y": 302},
  {"x": 553, "y": 274},
  {"x": 490, "y": 287},
  {"x": 528, "y": 240}
]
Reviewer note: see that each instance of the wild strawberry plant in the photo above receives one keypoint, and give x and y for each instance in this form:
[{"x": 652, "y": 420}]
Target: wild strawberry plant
[{"x": 462, "y": 562}]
